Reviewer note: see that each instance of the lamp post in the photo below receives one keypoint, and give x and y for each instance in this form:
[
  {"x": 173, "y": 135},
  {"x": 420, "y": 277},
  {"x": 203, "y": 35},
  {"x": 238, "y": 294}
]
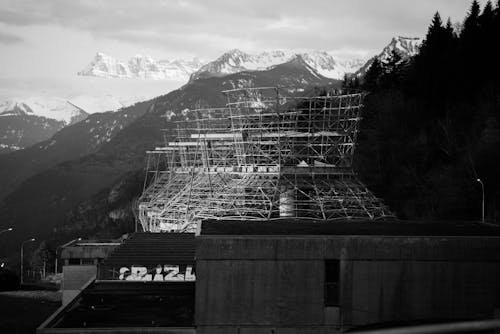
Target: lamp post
[
  {"x": 482, "y": 187},
  {"x": 57, "y": 251},
  {"x": 6, "y": 230},
  {"x": 22, "y": 257},
  {"x": 2, "y": 231}
]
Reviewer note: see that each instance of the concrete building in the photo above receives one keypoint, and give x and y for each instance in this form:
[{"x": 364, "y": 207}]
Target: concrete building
[
  {"x": 292, "y": 277},
  {"x": 313, "y": 277},
  {"x": 79, "y": 260}
]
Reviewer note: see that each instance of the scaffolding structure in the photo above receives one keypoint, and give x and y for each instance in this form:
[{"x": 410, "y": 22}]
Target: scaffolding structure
[{"x": 263, "y": 157}]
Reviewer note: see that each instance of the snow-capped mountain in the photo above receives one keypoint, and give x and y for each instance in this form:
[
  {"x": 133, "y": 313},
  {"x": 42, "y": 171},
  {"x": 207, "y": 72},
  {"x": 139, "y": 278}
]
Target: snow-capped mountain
[
  {"x": 54, "y": 108},
  {"x": 33, "y": 110},
  {"x": 141, "y": 67},
  {"x": 235, "y": 61},
  {"x": 24, "y": 122},
  {"x": 406, "y": 47},
  {"x": 326, "y": 65}
]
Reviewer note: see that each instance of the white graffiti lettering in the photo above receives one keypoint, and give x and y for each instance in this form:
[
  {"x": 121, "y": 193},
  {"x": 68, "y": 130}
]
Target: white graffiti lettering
[{"x": 166, "y": 273}]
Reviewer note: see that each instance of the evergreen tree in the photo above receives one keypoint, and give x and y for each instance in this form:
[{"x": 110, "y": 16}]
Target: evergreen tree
[
  {"x": 393, "y": 70},
  {"x": 441, "y": 111},
  {"x": 486, "y": 40},
  {"x": 487, "y": 17},
  {"x": 496, "y": 32},
  {"x": 471, "y": 23},
  {"x": 450, "y": 32},
  {"x": 436, "y": 25},
  {"x": 373, "y": 75}
]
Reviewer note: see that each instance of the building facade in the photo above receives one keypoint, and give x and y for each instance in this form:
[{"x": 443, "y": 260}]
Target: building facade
[{"x": 327, "y": 279}]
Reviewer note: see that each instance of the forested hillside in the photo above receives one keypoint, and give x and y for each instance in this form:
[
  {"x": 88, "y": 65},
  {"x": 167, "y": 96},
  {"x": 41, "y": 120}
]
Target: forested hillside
[{"x": 430, "y": 127}]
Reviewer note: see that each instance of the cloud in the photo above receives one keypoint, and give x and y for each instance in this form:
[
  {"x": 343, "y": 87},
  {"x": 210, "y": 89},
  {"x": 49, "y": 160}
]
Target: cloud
[
  {"x": 6, "y": 38},
  {"x": 217, "y": 25}
]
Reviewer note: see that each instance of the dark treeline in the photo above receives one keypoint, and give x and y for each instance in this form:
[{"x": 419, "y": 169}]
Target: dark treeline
[{"x": 431, "y": 123}]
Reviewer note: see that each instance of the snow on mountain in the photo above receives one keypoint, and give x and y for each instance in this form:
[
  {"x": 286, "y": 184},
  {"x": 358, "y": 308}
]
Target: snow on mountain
[
  {"x": 234, "y": 61},
  {"x": 406, "y": 47},
  {"x": 24, "y": 122},
  {"x": 237, "y": 61},
  {"x": 141, "y": 67},
  {"x": 42, "y": 106},
  {"x": 326, "y": 65}
]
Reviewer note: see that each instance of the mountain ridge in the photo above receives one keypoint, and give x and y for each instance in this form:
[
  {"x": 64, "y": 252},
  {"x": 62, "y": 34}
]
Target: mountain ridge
[
  {"x": 236, "y": 60},
  {"x": 43, "y": 198},
  {"x": 70, "y": 142},
  {"x": 406, "y": 47},
  {"x": 140, "y": 67},
  {"x": 24, "y": 122}
]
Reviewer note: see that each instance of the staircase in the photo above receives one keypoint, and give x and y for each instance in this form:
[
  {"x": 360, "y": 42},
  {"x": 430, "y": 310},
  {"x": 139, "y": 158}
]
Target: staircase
[
  {"x": 108, "y": 304},
  {"x": 148, "y": 250}
]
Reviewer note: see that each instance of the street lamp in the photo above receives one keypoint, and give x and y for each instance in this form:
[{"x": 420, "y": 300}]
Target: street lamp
[
  {"x": 482, "y": 187},
  {"x": 57, "y": 250},
  {"x": 6, "y": 230},
  {"x": 22, "y": 257}
]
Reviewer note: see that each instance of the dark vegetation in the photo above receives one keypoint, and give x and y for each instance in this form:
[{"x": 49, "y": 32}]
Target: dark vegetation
[
  {"x": 23, "y": 313},
  {"x": 430, "y": 127},
  {"x": 26, "y": 130},
  {"x": 8, "y": 280},
  {"x": 84, "y": 187}
]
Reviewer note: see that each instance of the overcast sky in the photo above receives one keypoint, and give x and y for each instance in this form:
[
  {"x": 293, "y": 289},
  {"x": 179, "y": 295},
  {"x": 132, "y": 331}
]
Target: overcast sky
[{"x": 60, "y": 37}]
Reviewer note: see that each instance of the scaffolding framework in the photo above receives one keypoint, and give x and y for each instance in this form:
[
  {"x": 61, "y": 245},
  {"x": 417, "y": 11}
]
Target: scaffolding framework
[{"x": 262, "y": 157}]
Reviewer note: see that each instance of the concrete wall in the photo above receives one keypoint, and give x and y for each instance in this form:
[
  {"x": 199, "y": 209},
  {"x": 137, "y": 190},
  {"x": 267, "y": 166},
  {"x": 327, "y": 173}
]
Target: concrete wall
[
  {"x": 134, "y": 330},
  {"x": 86, "y": 252},
  {"x": 276, "y": 284},
  {"x": 74, "y": 278}
]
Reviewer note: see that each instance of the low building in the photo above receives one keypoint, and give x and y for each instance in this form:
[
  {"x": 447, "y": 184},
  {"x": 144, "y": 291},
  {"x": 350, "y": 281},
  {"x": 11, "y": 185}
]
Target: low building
[
  {"x": 79, "y": 263},
  {"x": 315, "y": 277},
  {"x": 289, "y": 277},
  {"x": 145, "y": 285}
]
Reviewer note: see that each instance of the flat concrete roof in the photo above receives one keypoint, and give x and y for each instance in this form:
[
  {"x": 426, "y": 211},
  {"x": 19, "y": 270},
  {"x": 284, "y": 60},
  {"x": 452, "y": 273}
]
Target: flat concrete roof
[{"x": 348, "y": 227}]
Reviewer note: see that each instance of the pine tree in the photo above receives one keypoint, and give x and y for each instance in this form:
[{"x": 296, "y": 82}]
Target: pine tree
[
  {"x": 436, "y": 24},
  {"x": 486, "y": 38},
  {"x": 434, "y": 33},
  {"x": 373, "y": 75},
  {"x": 437, "y": 38},
  {"x": 496, "y": 35},
  {"x": 487, "y": 17},
  {"x": 392, "y": 66},
  {"x": 471, "y": 23},
  {"x": 450, "y": 32}
]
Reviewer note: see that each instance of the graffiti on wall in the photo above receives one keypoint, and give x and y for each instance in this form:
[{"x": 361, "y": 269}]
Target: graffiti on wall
[{"x": 165, "y": 273}]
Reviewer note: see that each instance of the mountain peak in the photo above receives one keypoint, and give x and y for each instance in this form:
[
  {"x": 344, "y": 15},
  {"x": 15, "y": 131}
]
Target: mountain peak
[
  {"x": 235, "y": 52},
  {"x": 54, "y": 108},
  {"x": 235, "y": 60},
  {"x": 141, "y": 67},
  {"x": 406, "y": 47},
  {"x": 14, "y": 108}
]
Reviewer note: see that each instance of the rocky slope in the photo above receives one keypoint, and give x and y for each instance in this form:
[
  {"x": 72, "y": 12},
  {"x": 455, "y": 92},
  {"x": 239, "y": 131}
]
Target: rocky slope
[
  {"x": 40, "y": 204},
  {"x": 72, "y": 142},
  {"x": 235, "y": 61},
  {"x": 141, "y": 67},
  {"x": 406, "y": 47},
  {"x": 29, "y": 121}
]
